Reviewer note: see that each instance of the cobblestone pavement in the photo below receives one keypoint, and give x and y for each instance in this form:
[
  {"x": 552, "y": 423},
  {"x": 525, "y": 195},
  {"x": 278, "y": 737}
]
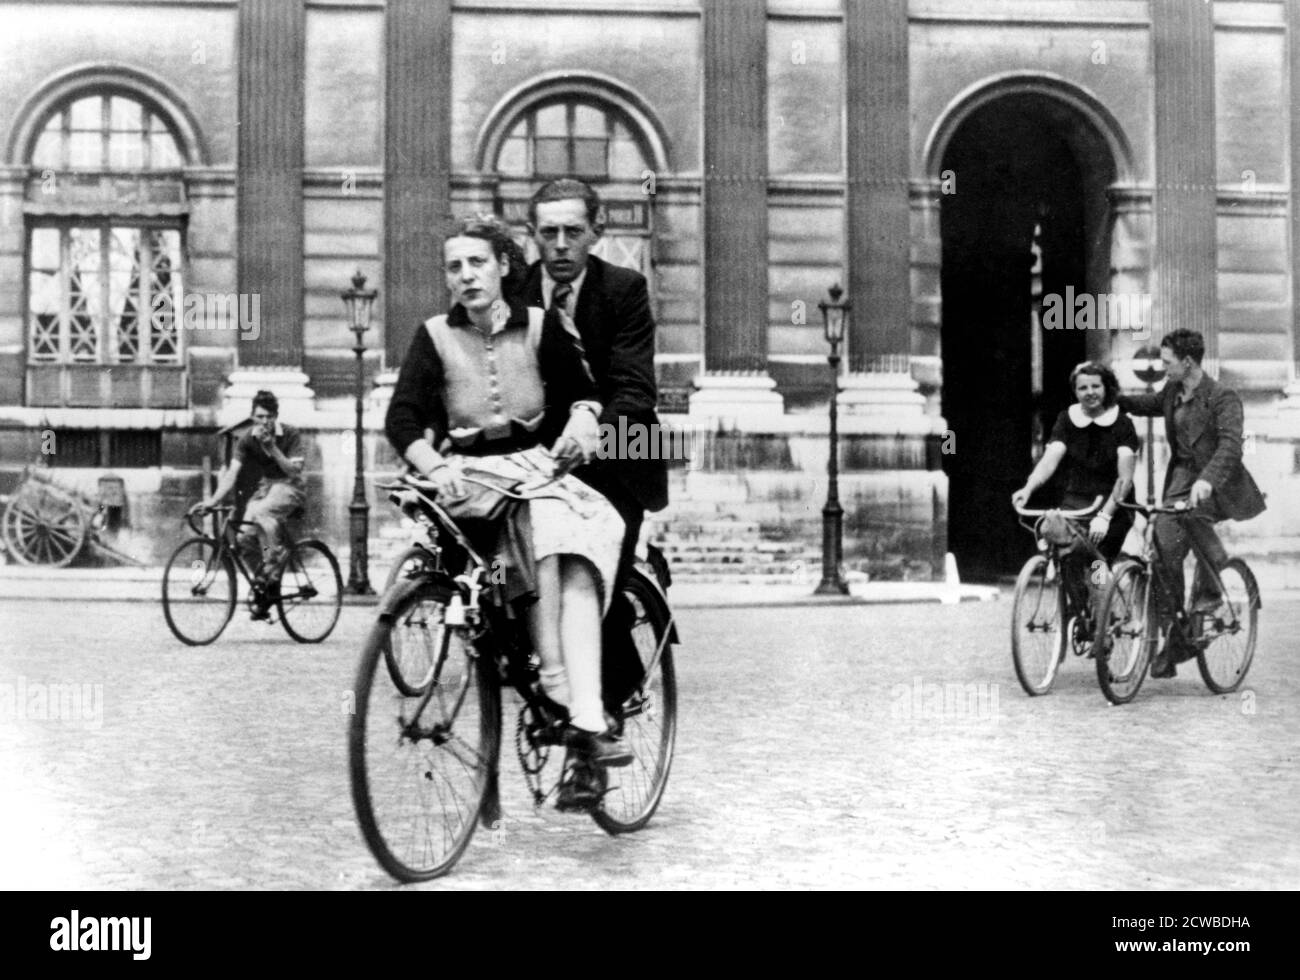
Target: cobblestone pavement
[{"x": 810, "y": 755}]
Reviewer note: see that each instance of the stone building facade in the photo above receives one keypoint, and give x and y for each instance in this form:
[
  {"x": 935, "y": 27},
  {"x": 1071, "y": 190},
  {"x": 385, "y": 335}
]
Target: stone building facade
[{"x": 954, "y": 164}]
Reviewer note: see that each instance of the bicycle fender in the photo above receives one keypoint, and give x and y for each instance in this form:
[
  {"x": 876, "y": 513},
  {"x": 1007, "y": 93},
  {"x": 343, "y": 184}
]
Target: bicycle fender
[
  {"x": 400, "y": 591},
  {"x": 645, "y": 572}
]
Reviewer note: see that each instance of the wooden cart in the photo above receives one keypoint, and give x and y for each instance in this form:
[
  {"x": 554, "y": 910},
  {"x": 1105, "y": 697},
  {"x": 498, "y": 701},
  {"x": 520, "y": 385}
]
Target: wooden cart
[{"x": 45, "y": 523}]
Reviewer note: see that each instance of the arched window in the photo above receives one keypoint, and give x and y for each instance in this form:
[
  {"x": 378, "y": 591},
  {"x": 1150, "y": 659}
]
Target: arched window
[
  {"x": 570, "y": 137},
  {"x": 581, "y": 134},
  {"x": 106, "y": 208},
  {"x": 106, "y": 132}
]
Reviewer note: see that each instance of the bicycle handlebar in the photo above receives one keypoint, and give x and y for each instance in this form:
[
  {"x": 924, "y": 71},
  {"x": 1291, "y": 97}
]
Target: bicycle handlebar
[
  {"x": 1179, "y": 508},
  {"x": 192, "y": 516},
  {"x": 410, "y": 481},
  {"x": 1085, "y": 512}
]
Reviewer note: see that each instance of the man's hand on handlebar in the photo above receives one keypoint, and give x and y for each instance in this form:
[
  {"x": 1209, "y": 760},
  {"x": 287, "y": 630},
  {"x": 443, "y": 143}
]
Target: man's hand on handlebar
[
  {"x": 201, "y": 506},
  {"x": 1020, "y": 497},
  {"x": 578, "y": 442},
  {"x": 1201, "y": 493}
]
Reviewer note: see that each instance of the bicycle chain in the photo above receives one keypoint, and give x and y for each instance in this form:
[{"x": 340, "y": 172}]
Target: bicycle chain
[{"x": 532, "y": 772}]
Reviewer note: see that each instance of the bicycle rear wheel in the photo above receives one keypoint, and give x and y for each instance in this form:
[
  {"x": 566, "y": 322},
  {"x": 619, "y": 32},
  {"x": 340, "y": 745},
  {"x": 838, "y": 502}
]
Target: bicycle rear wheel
[
  {"x": 310, "y": 592},
  {"x": 421, "y": 767},
  {"x": 198, "y": 591},
  {"x": 648, "y": 718},
  {"x": 1229, "y": 633},
  {"x": 1127, "y": 632},
  {"x": 1038, "y": 625}
]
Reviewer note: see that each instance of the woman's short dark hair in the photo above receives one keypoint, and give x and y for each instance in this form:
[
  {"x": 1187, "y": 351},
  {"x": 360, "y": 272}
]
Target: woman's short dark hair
[
  {"x": 1109, "y": 382},
  {"x": 496, "y": 233},
  {"x": 1185, "y": 343},
  {"x": 267, "y": 400}
]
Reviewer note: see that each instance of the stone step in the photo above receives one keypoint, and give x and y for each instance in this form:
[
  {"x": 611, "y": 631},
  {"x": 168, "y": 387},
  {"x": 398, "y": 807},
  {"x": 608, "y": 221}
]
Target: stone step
[{"x": 708, "y": 545}]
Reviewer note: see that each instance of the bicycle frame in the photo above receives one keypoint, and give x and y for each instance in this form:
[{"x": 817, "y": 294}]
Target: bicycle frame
[
  {"x": 488, "y": 613},
  {"x": 1055, "y": 552},
  {"x": 225, "y": 532},
  {"x": 1153, "y": 559}
]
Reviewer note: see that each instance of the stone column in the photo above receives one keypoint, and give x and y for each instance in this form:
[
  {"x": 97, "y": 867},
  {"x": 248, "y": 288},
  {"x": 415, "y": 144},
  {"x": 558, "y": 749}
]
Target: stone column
[
  {"x": 1291, "y": 406},
  {"x": 735, "y": 383},
  {"x": 1130, "y": 265},
  {"x": 879, "y": 233},
  {"x": 13, "y": 318},
  {"x": 926, "y": 290},
  {"x": 268, "y": 187},
  {"x": 417, "y": 166},
  {"x": 1186, "y": 193}
]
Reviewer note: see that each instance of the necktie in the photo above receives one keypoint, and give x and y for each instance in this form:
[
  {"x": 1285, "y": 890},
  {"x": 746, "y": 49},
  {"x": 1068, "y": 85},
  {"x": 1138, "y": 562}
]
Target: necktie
[
  {"x": 560, "y": 297},
  {"x": 560, "y": 304}
]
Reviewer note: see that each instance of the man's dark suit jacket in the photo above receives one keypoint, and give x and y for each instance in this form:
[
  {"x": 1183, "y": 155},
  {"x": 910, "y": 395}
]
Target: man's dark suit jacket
[
  {"x": 1215, "y": 427},
  {"x": 618, "y": 332}
]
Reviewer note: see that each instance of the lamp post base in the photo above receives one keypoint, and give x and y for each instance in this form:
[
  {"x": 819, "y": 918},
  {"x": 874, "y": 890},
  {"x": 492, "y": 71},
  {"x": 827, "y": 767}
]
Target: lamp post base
[
  {"x": 831, "y": 587},
  {"x": 358, "y": 566},
  {"x": 832, "y": 551}
]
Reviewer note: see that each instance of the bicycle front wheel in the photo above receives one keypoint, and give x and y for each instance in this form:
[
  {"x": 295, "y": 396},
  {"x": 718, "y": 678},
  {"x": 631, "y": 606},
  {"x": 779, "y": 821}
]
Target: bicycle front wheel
[
  {"x": 1038, "y": 625},
  {"x": 422, "y": 766},
  {"x": 1127, "y": 632},
  {"x": 198, "y": 591},
  {"x": 310, "y": 592},
  {"x": 1228, "y": 634},
  {"x": 410, "y": 562},
  {"x": 648, "y": 718}
]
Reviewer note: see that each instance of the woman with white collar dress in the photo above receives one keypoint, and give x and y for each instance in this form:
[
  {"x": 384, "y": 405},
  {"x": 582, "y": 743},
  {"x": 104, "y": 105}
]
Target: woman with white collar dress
[{"x": 1098, "y": 445}]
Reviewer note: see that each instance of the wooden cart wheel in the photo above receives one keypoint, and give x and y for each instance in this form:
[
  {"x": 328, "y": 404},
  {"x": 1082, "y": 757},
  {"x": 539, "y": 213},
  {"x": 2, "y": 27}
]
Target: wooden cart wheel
[{"x": 44, "y": 526}]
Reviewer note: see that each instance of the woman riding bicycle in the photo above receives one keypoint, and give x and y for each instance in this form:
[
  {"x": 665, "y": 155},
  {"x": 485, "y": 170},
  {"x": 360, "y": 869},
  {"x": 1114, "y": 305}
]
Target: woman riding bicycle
[
  {"x": 1098, "y": 445},
  {"x": 480, "y": 394}
]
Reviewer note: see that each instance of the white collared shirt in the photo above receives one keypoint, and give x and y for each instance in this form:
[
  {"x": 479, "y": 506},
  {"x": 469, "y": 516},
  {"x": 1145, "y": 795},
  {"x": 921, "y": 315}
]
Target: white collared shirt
[
  {"x": 1081, "y": 420},
  {"x": 548, "y": 288}
]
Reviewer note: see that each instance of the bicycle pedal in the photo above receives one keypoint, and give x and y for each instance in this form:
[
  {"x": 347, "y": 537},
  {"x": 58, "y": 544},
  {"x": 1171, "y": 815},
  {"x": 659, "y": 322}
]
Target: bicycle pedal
[{"x": 583, "y": 791}]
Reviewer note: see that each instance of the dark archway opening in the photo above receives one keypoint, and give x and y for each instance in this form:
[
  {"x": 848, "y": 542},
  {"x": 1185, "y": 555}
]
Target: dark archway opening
[{"x": 1031, "y": 177}]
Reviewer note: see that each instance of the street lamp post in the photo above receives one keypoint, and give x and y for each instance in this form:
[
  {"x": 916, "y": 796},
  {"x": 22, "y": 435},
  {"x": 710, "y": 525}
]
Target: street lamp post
[
  {"x": 359, "y": 301},
  {"x": 1149, "y": 369},
  {"x": 834, "y": 313}
]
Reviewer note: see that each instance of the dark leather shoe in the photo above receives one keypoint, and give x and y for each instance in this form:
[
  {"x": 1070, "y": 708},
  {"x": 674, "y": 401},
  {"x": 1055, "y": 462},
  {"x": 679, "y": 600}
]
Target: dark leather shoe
[
  {"x": 582, "y": 790},
  {"x": 1162, "y": 667},
  {"x": 598, "y": 748}
]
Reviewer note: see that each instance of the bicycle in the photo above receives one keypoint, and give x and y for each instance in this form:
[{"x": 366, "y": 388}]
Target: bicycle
[
  {"x": 425, "y": 734},
  {"x": 199, "y": 590},
  {"x": 1134, "y": 624},
  {"x": 1045, "y": 615}
]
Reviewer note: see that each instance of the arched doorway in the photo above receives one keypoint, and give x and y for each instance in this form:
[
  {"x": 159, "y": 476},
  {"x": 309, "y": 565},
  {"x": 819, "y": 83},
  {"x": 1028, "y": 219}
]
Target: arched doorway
[{"x": 1027, "y": 216}]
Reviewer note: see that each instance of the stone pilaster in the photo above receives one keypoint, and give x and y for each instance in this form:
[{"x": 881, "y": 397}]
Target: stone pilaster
[
  {"x": 879, "y": 214},
  {"x": 1185, "y": 268},
  {"x": 269, "y": 218},
  {"x": 417, "y": 166},
  {"x": 1292, "y": 403},
  {"x": 735, "y": 214},
  {"x": 1130, "y": 274}
]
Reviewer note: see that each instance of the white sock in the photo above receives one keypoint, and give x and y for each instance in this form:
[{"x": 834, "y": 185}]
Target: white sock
[
  {"x": 555, "y": 682},
  {"x": 589, "y": 717}
]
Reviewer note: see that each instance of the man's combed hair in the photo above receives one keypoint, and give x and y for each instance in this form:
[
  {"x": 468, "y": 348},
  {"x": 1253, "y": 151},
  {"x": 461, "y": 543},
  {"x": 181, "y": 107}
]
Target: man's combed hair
[
  {"x": 1185, "y": 343},
  {"x": 566, "y": 189},
  {"x": 267, "y": 400}
]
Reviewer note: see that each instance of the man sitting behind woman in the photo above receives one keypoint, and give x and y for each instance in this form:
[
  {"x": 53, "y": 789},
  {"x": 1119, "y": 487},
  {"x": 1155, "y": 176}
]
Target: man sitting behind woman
[{"x": 494, "y": 381}]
